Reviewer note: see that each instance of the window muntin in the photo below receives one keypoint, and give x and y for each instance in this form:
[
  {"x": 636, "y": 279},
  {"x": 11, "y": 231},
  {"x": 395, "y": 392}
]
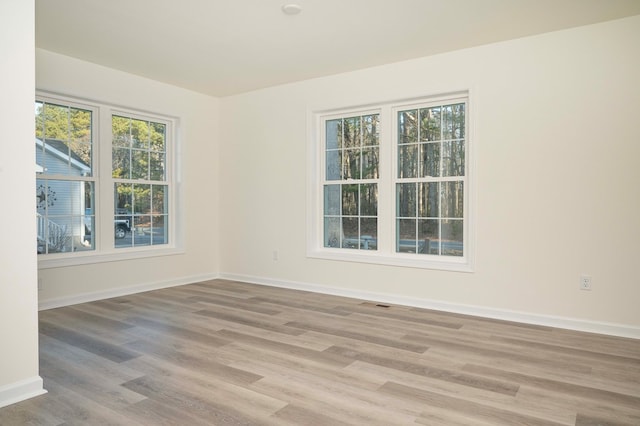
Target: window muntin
[
  {"x": 351, "y": 173},
  {"x": 422, "y": 185},
  {"x": 430, "y": 180},
  {"x": 65, "y": 185}
]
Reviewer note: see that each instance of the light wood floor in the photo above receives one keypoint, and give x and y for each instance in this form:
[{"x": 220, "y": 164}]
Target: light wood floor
[{"x": 227, "y": 353}]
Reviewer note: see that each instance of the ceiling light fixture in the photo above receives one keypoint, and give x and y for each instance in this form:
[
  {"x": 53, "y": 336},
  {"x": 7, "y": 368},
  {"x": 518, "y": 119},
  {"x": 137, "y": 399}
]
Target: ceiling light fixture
[{"x": 291, "y": 9}]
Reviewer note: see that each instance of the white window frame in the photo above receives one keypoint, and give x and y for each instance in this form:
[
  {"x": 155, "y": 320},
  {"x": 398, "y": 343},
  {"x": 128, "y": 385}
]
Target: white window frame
[
  {"x": 103, "y": 228},
  {"x": 385, "y": 253}
]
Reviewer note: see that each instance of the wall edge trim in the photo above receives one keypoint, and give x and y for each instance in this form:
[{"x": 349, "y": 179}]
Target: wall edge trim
[
  {"x": 21, "y": 390},
  {"x": 120, "y": 291},
  {"x": 575, "y": 324}
]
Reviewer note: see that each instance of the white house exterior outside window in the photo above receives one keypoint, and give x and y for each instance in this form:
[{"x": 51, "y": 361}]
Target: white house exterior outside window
[
  {"x": 392, "y": 184},
  {"x": 105, "y": 182}
]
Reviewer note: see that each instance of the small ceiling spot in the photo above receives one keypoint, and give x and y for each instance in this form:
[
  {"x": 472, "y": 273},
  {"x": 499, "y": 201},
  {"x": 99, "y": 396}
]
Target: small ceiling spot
[{"x": 291, "y": 9}]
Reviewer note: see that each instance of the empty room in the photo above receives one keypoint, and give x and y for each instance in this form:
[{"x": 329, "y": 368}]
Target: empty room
[{"x": 356, "y": 212}]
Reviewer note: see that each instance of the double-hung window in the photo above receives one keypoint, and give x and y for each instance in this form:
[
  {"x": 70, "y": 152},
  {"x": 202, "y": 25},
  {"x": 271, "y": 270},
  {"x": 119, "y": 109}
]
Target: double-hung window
[
  {"x": 350, "y": 186},
  {"x": 104, "y": 181},
  {"x": 65, "y": 177},
  {"x": 391, "y": 184}
]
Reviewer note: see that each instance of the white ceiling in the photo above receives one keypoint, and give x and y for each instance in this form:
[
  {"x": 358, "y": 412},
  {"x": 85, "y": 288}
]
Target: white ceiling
[{"x": 225, "y": 47}]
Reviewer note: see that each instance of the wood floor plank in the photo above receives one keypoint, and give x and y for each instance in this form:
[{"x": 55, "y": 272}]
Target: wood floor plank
[
  {"x": 195, "y": 359},
  {"x": 474, "y": 381},
  {"x": 210, "y": 383},
  {"x": 278, "y": 347},
  {"x": 295, "y": 415},
  {"x": 480, "y": 411},
  {"x": 88, "y": 343},
  {"x": 226, "y": 352},
  {"x": 558, "y": 386},
  {"x": 371, "y": 336},
  {"x": 474, "y": 351},
  {"x": 252, "y": 321},
  {"x": 187, "y": 403}
]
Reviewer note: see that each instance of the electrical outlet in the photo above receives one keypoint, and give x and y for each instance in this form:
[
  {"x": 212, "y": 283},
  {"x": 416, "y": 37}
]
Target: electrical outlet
[
  {"x": 585, "y": 282},
  {"x": 275, "y": 255}
]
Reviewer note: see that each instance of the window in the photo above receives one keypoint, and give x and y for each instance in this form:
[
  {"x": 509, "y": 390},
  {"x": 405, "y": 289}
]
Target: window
[
  {"x": 390, "y": 185},
  {"x": 430, "y": 180},
  {"x": 86, "y": 211},
  {"x": 65, "y": 181},
  {"x": 351, "y": 182},
  {"x": 140, "y": 185}
]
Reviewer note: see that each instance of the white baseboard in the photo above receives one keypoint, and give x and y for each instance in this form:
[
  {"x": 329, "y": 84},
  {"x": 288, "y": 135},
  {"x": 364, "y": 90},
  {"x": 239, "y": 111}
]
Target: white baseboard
[
  {"x": 120, "y": 291},
  {"x": 612, "y": 329},
  {"x": 19, "y": 391}
]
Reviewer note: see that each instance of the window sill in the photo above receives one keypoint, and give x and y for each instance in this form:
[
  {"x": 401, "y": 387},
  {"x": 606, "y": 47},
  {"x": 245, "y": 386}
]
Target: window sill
[
  {"x": 402, "y": 260},
  {"x": 76, "y": 259}
]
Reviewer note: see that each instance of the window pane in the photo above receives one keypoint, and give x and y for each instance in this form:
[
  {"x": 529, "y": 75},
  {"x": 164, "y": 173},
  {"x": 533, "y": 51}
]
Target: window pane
[
  {"x": 141, "y": 199},
  {"x": 428, "y": 236},
  {"x": 142, "y": 230},
  {"x": 121, "y": 163},
  {"x": 452, "y": 199},
  {"x": 88, "y": 240},
  {"x": 371, "y": 129},
  {"x": 332, "y": 200},
  {"x": 453, "y": 158},
  {"x": 56, "y": 122},
  {"x": 64, "y": 216},
  {"x": 430, "y": 124},
  {"x": 369, "y": 233},
  {"x": 80, "y": 122},
  {"x": 140, "y": 134},
  {"x": 80, "y": 153},
  {"x": 332, "y": 232},
  {"x": 369, "y": 199},
  {"x": 406, "y": 236},
  {"x": 156, "y": 165},
  {"x": 159, "y": 230},
  {"x": 407, "y": 126},
  {"x": 139, "y": 164},
  {"x": 430, "y": 159},
  {"x": 158, "y": 137},
  {"x": 429, "y": 197},
  {"x": 63, "y": 140},
  {"x": 408, "y": 161},
  {"x": 159, "y": 199},
  {"x": 121, "y": 131},
  {"x": 351, "y": 165},
  {"x": 349, "y": 200},
  {"x": 334, "y": 165},
  {"x": 453, "y": 121},
  {"x": 333, "y": 134},
  {"x": 452, "y": 230},
  {"x": 370, "y": 163},
  {"x": 351, "y": 232},
  {"x": 459, "y": 121},
  {"x": 123, "y": 197},
  {"x": 406, "y": 199},
  {"x": 352, "y": 132}
]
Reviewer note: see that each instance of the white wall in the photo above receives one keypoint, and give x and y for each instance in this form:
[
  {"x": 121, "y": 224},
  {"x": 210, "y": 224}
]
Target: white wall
[
  {"x": 19, "y": 377},
  {"x": 198, "y": 116},
  {"x": 556, "y": 137}
]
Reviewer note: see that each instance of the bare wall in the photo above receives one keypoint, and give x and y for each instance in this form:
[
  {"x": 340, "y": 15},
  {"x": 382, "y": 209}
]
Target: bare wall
[{"x": 555, "y": 120}]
